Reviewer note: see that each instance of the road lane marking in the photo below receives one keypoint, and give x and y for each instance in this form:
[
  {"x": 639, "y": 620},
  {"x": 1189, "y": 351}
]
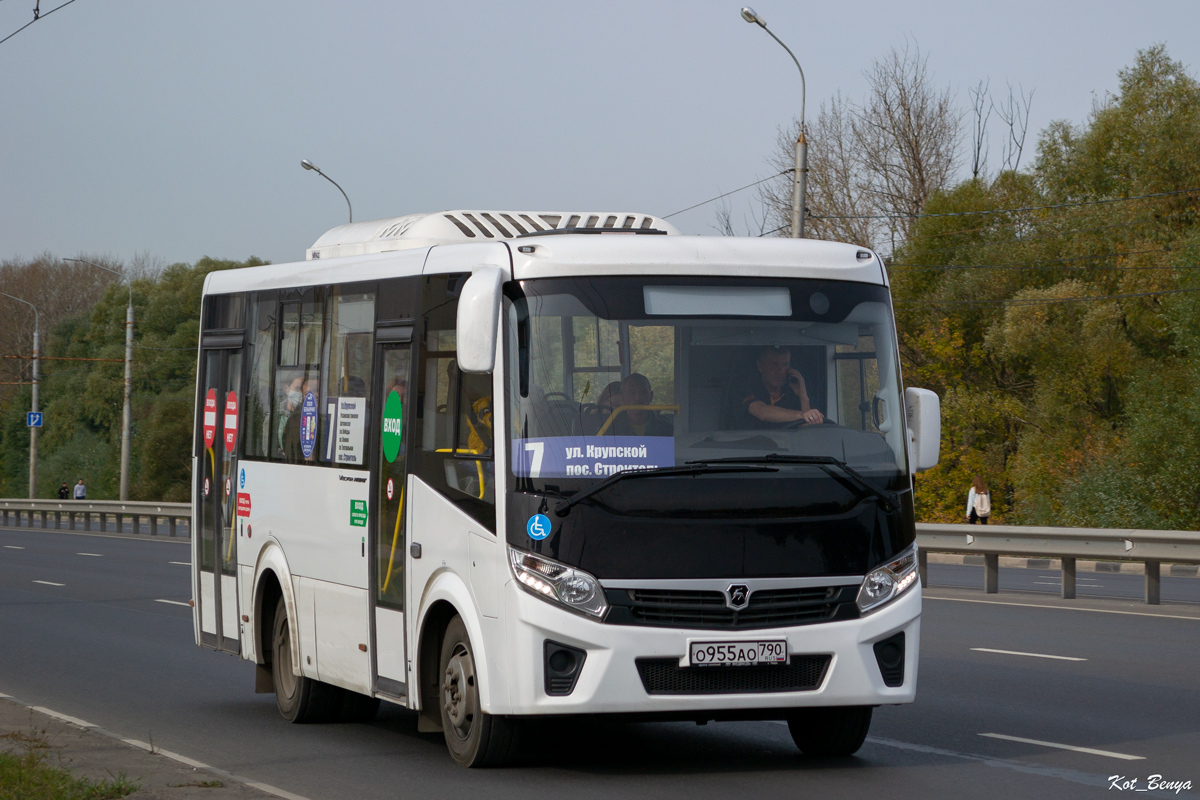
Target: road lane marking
[
  {"x": 95, "y": 555},
  {"x": 12, "y": 547},
  {"x": 1056, "y": 745},
  {"x": 50, "y": 583},
  {"x": 1062, "y": 773},
  {"x": 181, "y": 563},
  {"x": 155, "y": 750},
  {"x": 1059, "y": 608},
  {"x": 174, "y": 603},
  {"x": 1031, "y": 655}
]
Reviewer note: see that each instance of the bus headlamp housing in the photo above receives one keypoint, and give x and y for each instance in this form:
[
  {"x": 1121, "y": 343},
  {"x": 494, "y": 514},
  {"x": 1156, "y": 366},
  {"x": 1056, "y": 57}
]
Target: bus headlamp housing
[
  {"x": 558, "y": 583},
  {"x": 887, "y": 582}
]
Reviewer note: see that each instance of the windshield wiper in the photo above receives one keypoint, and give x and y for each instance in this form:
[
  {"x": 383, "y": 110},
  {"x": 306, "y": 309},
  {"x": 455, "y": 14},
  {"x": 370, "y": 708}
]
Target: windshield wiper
[
  {"x": 889, "y": 500},
  {"x": 691, "y": 468}
]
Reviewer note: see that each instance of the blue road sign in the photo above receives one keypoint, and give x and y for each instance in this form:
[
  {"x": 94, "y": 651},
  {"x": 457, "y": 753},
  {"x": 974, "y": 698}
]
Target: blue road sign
[{"x": 33, "y": 419}]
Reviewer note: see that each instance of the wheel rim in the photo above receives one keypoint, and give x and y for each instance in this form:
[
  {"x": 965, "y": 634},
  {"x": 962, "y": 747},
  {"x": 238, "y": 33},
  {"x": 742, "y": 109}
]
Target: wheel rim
[
  {"x": 285, "y": 681},
  {"x": 458, "y": 691}
]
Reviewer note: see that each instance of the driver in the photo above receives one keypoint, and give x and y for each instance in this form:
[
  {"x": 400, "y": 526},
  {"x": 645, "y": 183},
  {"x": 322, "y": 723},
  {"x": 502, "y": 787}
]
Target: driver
[{"x": 779, "y": 396}]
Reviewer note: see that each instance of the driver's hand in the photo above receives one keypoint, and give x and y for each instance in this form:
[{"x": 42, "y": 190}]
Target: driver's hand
[
  {"x": 812, "y": 416},
  {"x": 794, "y": 375}
]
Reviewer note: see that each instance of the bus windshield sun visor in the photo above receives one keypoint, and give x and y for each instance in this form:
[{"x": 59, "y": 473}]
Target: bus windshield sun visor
[
  {"x": 659, "y": 472},
  {"x": 889, "y": 499}
]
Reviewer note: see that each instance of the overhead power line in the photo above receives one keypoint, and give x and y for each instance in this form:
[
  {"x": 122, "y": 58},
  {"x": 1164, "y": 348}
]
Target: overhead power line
[
  {"x": 1011, "y": 210},
  {"x": 36, "y": 17},
  {"x": 1048, "y": 263},
  {"x": 1043, "y": 301},
  {"x": 735, "y": 191}
]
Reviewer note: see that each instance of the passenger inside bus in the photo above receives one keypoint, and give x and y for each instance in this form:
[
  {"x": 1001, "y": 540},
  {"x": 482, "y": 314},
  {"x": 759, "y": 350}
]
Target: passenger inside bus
[
  {"x": 777, "y": 395},
  {"x": 291, "y": 446},
  {"x": 631, "y": 418}
]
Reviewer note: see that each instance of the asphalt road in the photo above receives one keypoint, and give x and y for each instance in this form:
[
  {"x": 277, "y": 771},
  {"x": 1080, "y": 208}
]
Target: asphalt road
[{"x": 85, "y": 631}]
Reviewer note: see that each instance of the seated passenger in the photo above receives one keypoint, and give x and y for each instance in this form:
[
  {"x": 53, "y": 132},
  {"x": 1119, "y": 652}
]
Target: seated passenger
[
  {"x": 593, "y": 418},
  {"x": 778, "y": 396},
  {"x": 636, "y": 391}
]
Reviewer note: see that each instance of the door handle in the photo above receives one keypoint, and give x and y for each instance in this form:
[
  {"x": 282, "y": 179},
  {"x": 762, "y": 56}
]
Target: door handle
[{"x": 414, "y": 549}]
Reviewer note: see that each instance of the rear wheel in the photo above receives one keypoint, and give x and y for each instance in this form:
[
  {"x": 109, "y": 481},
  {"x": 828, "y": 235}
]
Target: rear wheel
[
  {"x": 475, "y": 739},
  {"x": 299, "y": 699},
  {"x": 837, "y": 731}
]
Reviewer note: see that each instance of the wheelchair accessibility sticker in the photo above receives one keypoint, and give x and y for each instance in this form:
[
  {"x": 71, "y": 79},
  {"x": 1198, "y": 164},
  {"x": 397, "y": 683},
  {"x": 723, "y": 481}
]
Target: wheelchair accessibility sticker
[{"x": 538, "y": 526}]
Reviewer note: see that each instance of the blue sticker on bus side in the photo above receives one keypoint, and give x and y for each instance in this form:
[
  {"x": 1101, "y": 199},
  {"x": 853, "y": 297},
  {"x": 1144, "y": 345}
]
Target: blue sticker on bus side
[
  {"x": 538, "y": 527},
  {"x": 242, "y": 478},
  {"x": 308, "y": 425}
]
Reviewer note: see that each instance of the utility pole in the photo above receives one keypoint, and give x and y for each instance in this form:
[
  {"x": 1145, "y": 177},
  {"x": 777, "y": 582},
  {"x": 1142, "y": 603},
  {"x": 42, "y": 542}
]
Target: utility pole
[
  {"x": 126, "y": 411},
  {"x": 33, "y": 429},
  {"x": 800, "y": 175}
]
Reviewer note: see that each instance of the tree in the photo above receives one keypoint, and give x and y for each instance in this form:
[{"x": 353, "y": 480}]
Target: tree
[{"x": 874, "y": 165}]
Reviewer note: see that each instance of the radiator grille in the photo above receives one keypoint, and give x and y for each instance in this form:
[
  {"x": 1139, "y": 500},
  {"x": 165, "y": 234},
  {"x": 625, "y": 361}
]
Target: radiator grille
[
  {"x": 768, "y": 608},
  {"x": 665, "y": 676}
]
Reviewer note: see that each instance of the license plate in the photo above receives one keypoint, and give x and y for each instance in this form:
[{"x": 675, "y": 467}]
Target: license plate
[{"x": 714, "y": 654}]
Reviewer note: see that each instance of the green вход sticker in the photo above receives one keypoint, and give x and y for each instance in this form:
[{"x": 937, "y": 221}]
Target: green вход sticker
[{"x": 393, "y": 426}]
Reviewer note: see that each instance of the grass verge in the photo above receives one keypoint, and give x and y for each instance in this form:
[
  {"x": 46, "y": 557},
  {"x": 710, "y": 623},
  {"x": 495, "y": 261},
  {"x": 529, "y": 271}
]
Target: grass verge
[{"x": 36, "y": 772}]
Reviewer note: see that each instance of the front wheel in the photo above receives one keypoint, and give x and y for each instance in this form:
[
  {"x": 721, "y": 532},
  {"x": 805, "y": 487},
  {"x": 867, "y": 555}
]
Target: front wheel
[
  {"x": 475, "y": 739},
  {"x": 836, "y": 731}
]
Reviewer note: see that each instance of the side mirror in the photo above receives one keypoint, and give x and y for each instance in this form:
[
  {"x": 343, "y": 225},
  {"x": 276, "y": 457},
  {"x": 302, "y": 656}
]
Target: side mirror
[
  {"x": 478, "y": 315},
  {"x": 924, "y": 411}
]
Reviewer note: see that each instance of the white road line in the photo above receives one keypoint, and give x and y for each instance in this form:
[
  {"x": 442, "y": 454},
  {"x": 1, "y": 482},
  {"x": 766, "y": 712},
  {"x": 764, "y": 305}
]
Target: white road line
[
  {"x": 50, "y": 583},
  {"x": 12, "y": 547},
  {"x": 173, "y": 602},
  {"x": 1060, "y": 608},
  {"x": 1031, "y": 655},
  {"x": 181, "y": 563},
  {"x": 1089, "y": 750},
  {"x": 94, "y": 555},
  {"x": 286, "y": 795}
]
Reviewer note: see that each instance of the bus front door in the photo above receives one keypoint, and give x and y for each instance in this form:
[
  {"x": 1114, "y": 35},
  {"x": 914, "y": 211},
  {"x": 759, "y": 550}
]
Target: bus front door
[
  {"x": 214, "y": 554},
  {"x": 393, "y": 359}
]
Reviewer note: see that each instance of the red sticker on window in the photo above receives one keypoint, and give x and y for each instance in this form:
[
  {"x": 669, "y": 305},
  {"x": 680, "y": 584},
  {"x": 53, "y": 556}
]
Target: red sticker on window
[
  {"x": 210, "y": 417},
  {"x": 231, "y": 422}
]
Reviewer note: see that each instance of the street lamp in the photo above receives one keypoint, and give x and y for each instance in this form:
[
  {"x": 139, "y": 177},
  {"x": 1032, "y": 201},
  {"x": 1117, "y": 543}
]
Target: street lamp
[
  {"x": 304, "y": 162},
  {"x": 126, "y": 413},
  {"x": 800, "y": 176},
  {"x": 33, "y": 429}
]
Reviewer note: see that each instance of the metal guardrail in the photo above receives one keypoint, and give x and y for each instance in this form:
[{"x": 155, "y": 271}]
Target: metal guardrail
[
  {"x": 1153, "y": 548},
  {"x": 1068, "y": 544},
  {"x": 87, "y": 512}
]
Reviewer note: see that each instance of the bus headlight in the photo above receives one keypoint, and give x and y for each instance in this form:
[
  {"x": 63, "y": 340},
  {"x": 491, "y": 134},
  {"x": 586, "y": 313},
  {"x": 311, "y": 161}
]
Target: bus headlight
[
  {"x": 885, "y": 583},
  {"x": 558, "y": 583}
]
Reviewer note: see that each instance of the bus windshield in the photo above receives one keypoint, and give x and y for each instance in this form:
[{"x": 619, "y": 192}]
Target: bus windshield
[{"x": 614, "y": 374}]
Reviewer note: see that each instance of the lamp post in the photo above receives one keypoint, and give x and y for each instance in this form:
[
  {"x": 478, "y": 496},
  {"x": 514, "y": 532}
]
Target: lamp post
[
  {"x": 126, "y": 413},
  {"x": 33, "y": 429},
  {"x": 304, "y": 162},
  {"x": 800, "y": 176}
]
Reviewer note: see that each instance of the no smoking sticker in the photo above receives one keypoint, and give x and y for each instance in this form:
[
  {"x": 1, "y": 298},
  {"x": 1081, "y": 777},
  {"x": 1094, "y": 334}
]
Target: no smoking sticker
[{"x": 391, "y": 488}]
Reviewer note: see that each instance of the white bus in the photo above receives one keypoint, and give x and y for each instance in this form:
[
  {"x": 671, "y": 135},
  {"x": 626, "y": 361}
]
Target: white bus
[{"x": 496, "y": 465}]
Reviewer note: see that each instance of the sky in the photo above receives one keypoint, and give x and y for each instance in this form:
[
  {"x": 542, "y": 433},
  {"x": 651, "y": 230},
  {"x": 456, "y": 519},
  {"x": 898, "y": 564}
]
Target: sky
[{"x": 168, "y": 130}]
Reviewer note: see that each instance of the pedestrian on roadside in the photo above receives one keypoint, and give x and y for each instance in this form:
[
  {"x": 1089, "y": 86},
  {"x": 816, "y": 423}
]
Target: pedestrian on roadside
[
  {"x": 80, "y": 490},
  {"x": 64, "y": 491},
  {"x": 979, "y": 502}
]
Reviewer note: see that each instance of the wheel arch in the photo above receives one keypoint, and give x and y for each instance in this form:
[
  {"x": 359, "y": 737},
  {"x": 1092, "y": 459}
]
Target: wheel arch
[{"x": 272, "y": 580}]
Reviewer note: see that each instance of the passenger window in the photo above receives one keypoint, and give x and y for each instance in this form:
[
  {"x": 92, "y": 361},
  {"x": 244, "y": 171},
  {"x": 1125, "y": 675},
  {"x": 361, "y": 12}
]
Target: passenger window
[
  {"x": 257, "y": 439},
  {"x": 857, "y": 384},
  {"x": 350, "y": 321}
]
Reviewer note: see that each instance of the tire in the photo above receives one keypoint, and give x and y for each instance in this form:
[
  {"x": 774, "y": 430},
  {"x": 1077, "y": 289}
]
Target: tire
[
  {"x": 837, "y": 731},
  {"x": 298, "y": 698},
  {"x": 475, "y": 739}
]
